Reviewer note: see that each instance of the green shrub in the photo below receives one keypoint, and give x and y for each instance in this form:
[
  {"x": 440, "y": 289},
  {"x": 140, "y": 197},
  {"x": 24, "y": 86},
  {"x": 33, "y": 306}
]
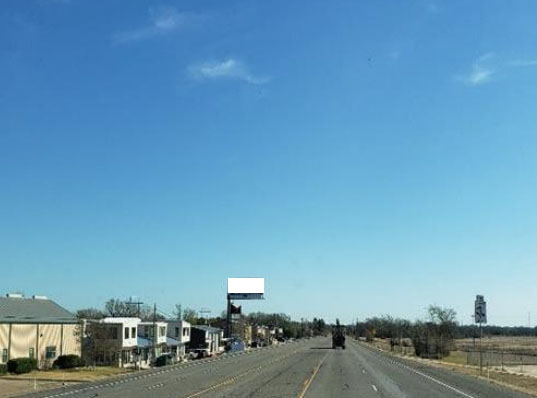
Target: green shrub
[
  {"x": 21, "y": 365},
  {"x": 68, "y": 362},
  {"x": 3, "y": 369}
]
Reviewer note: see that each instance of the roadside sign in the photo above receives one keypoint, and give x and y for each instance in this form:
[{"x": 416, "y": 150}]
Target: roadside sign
[
  {"x": 245, "y": 296},
  {"x": 480, "y": 309}
]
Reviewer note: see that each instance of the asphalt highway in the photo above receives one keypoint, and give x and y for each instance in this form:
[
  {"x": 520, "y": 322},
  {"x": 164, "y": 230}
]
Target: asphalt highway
[{"x": 304, "y": 369}]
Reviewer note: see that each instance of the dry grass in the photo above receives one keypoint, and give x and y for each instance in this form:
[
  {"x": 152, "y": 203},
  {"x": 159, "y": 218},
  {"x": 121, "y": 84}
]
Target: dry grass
[
  {"x": 523, "y": 344},
  {"x": 524, "y": 383},
  {"x": 78, "y": 375}
]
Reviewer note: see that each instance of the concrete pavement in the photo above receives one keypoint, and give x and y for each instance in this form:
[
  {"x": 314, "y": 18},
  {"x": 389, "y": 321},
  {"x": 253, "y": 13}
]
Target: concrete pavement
[{"x": 306, "y": 369}]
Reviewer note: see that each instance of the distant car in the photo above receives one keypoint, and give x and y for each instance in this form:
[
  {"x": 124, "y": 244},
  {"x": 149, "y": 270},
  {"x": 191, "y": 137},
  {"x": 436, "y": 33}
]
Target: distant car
[
  {"x": 235, "y": 345},
  {"x": 199, "y": 353},
  {"x": 164, "y": 360}
]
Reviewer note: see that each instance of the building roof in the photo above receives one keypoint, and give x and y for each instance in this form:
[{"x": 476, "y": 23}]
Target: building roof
[
  {"x": 177, "y": 321},
  {"x": 33, "y": 310},
  {"x": 171, "y": 342},
  {"x": 111, "y": 319},
  {"x": 144, "y": 343},
  {"x": 207, "y": 328}
]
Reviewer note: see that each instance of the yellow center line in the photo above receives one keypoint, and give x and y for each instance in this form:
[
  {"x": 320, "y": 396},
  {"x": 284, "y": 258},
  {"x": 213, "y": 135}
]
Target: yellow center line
[
  {"x": 233, "y": 379},
  {"x": 309, "y": 380}
]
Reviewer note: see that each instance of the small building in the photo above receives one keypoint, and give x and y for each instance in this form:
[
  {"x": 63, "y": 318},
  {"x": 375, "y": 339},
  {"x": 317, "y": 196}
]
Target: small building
[
  {"x": 152, "y": 340},
  {"x": 206, "y": 338},
  {"x": 178, "y": 336},
  {"x": 261, "y": 336},
  {"x": 37, "y": 328},
  {"x": 112, "y": 341},
  {"x": 245, "y": 334}
]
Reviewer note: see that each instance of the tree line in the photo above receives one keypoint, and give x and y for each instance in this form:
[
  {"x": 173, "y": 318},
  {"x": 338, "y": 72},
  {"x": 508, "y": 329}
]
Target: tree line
[
  {"x": 291, "y": 328},
  {"x": 431, "y": 337}
]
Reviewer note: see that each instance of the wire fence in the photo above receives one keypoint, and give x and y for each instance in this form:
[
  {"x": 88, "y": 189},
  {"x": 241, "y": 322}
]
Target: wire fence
[{"x": 502, "y": 359}]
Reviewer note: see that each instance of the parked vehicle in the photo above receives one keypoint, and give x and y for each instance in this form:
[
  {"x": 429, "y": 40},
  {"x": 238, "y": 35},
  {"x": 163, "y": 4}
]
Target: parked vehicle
[{"x": 164, "y": 359}]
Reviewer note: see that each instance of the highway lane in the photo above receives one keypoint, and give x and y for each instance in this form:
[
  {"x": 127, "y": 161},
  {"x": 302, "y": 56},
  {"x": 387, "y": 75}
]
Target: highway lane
[
  {"x": 200, "y": 378},
  {"x": 308, "y": 369},
  {"x": 362, "y": 371}
]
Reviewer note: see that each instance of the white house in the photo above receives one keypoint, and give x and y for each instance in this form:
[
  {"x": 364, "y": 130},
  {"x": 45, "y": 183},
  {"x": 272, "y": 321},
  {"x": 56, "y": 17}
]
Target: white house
[
  {"x": 113, "y": 340},
  {"x": 178, "y": 337},
  {"x": 152, "y": 339}
]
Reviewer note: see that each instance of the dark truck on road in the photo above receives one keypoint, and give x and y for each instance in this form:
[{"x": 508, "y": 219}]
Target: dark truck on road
[{"x": 338, "y": 336}]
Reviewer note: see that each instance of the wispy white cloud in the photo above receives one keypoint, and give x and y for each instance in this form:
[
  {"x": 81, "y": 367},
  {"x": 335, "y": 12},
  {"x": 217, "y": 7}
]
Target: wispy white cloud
[
  {"x": 482, "y": 71},
  {"x": 230, "y": 68},
  {"x": 162, "y": 21},
  {"x": 523, "y": 62}
]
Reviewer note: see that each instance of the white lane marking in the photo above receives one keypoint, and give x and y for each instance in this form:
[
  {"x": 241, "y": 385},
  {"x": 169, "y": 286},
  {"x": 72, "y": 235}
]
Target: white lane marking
[
  {"x": 374, "y": 387},
  {"x": 441, "y": 383},
  {"x": 437, "y": 381}
]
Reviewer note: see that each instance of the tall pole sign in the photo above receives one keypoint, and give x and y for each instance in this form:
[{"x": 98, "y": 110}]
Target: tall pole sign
[
  {"x": 480, "y": 316},
  {"x": 241, "y": 289}
]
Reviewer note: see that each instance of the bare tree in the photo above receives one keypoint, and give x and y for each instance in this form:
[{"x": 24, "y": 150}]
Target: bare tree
[
  {"x": 89, "y": 313},
  {"x": 434, "y": 339},
  {"x": 190, "y": 315},
  {"x": 178, "y": 312},
  {"x": 99, "y": 344}
]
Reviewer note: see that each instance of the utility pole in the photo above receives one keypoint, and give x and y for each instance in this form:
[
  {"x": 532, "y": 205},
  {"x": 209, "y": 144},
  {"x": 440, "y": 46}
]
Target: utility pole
[
  {"x": 136, "y": 303},
  {"x": 204, "y": 312},
  {"x": 154, "y": 330},
  {"x": 229, "y": 330}
]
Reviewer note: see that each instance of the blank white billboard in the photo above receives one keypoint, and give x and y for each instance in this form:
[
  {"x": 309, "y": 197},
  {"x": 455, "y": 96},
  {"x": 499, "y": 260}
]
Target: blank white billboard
[{"x": 246, "y": 285}]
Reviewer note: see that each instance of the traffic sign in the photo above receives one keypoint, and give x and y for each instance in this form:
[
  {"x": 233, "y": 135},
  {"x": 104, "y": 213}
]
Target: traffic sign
[{"x": 480, "y": 309}]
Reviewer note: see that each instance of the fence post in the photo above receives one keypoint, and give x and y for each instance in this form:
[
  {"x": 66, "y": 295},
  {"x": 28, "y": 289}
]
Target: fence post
[{"x": 502, "y": 362}]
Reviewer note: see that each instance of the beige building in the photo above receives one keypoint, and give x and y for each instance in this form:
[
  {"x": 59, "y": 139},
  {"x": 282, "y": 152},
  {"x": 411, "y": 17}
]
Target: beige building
[{"x": 37, "y": 328}]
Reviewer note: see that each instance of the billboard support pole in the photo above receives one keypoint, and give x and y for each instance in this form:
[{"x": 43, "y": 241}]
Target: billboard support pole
[{"x": 229, "y": 325}]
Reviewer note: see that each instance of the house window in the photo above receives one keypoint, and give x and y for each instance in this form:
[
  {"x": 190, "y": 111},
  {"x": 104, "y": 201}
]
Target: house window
[
  {"x": 176, "y": 332},
  {"x": 185, "y": 332},
  {"x": 162, "y": 331},
  {"x": 31, "y": 353},
  {"x": 126, "y": 333},
  {"x": 50, "y": 352},
  {"x": 133, "y": 332},
  {"x": 113, "y": 333},
  {"x": 4, "y": 355}
]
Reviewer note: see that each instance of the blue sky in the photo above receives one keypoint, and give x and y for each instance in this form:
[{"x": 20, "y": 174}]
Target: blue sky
[{"x": 364, "y": 157}]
